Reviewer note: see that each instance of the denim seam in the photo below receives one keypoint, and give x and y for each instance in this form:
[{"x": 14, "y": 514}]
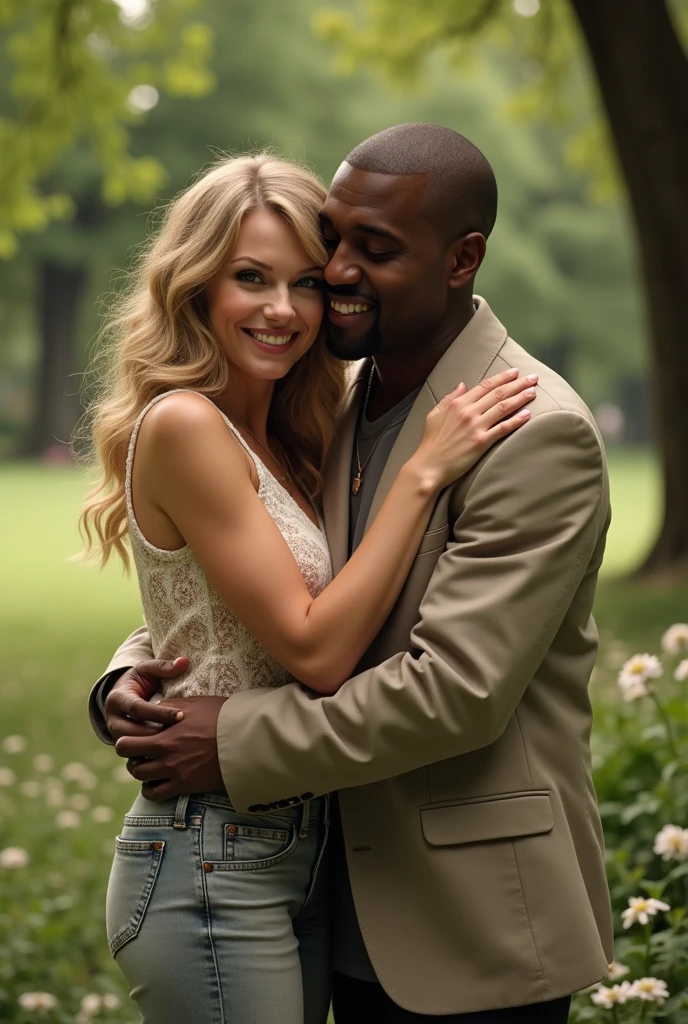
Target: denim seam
[{"x": 209, "y": 932}]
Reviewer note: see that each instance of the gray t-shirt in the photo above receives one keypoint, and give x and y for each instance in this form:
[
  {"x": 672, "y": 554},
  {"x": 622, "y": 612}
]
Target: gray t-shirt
[{"x": 350, "y": 955}]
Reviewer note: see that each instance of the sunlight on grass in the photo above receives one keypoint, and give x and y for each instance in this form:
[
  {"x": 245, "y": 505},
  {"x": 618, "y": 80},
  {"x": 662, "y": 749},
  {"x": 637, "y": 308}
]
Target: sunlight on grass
[{"x": 636, "y": 509}]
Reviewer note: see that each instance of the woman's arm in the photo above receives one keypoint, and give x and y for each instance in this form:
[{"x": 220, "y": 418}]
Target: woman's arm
[{"x": 194, "y": 471}]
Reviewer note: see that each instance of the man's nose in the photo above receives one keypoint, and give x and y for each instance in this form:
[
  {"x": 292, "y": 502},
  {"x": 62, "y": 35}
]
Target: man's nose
[{"x": 342, "y": 269}]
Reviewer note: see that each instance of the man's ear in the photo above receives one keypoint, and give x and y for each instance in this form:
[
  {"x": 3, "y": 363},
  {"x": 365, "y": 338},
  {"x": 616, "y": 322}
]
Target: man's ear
[{"x": 465, "y": 256}]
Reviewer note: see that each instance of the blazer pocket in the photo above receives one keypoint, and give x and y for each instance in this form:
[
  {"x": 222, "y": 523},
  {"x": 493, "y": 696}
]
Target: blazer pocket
[
  {"x": 499, "y": 817},
  {"x": 433, "y": 540}
]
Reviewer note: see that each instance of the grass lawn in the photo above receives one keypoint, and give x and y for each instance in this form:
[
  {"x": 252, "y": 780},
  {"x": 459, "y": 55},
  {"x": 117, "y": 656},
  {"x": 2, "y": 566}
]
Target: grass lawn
[{"x": 59, "y": 623}]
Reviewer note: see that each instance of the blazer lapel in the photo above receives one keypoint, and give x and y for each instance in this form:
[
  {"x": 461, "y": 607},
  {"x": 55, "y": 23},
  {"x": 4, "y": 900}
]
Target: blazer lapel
[
  {"x": 337, "y": 475},
  {"x": 467, "y": 359}
]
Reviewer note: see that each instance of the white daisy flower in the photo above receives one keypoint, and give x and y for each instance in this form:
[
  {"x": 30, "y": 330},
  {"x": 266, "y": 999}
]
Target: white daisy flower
[
  {"x": 110, "y": 1001},
  {"x": 632, "y": 688},
  {"x": 79, "y": 802},
  {"x": 641, "y": 666},
  {"x": 73, "y": 771},
  {"x": 43, "y": 763},
  {"x": 14, "y": 744},
  {"x": 67, "y": 819},
  {"x": 7, "y": 777},
  {"x": 681, "y": 671},
  {"x": 617, "y": 970},
  {"x": 651, "y": 990},
  {"x": 13, "y": 857},
  {"x": 641, "y": 909},
  {"x": 671, "y": 843},
  {"x": 42, "y": 1002},
  {"x": 102, "y": 814},
  {"x": 675, "y": 640},
  {"x": 30, "y": 788},
  {"x": 91, "y": 1004},
  {"x": 87, "y": 780},
  {"x": 608, "y": 997}
]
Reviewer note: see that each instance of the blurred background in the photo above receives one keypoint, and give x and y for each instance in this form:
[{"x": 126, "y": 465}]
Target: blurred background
[{"x": 107, "y": 109}]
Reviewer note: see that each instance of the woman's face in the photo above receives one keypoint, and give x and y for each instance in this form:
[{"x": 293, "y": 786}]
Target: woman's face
[{"x": 265, "y": 304}]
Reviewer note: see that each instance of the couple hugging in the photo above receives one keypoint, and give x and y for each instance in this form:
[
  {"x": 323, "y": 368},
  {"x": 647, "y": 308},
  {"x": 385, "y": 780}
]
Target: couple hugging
[{"x": 364, "y": 740}]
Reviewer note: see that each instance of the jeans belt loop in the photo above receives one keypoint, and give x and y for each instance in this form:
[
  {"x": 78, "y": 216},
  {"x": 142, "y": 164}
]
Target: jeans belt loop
[
  {"x": 180, "y": 811},
  {"x": 305, "y": 814}
]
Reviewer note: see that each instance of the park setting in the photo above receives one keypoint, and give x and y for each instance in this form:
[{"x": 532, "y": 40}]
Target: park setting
[{"x": 108, "y": 109}]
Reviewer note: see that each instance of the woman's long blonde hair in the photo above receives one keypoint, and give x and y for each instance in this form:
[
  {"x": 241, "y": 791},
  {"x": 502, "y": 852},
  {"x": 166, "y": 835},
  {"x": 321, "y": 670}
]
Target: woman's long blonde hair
[{"x": 161, "y": 338}]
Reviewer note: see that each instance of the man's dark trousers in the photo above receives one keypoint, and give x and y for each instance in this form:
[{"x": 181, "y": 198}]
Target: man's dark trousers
[{"x": 364, "y": 1002}]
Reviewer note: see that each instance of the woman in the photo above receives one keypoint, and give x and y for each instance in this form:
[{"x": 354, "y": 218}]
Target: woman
[{"x": 212, "y": 441}]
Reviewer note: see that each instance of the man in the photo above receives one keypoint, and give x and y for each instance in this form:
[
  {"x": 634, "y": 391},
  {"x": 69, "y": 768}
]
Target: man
[{"x": 460, "y": 751}]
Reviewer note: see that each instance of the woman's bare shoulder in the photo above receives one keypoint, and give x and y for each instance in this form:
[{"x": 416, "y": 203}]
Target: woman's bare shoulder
[{"x": 180, "y": 416}]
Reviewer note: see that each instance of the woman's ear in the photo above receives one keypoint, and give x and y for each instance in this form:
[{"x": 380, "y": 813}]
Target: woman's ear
[{"x": 465, "y": 256}]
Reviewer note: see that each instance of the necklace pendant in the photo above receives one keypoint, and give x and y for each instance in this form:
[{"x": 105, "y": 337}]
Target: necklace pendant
[{"x": 356, "y": 485}]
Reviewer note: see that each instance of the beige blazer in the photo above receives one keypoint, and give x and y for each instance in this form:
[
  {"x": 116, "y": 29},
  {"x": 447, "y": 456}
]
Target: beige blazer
[{"x": 461, "y": 748}]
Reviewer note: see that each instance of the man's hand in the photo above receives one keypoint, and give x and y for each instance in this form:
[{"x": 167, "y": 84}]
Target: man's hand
[
  {"x": 127, "y": 708},
  {"x": 182, "y": 758}
]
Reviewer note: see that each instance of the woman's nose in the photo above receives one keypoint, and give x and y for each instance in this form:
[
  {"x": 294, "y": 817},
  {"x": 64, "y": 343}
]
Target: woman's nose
[{"x": 280, "y": 307}]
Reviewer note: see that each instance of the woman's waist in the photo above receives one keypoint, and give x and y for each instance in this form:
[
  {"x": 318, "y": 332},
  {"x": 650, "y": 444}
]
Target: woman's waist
[{"x": 178, "y": 811}]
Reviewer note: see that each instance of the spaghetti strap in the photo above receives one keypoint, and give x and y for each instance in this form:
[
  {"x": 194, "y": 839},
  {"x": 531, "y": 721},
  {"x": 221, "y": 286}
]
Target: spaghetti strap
[{"x": 261, "y": 469}]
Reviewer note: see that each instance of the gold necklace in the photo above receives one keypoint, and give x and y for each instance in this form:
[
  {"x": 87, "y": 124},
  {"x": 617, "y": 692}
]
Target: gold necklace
[
  {"x": 356, "y": 483},
  {"x": 286, "y": 478}
]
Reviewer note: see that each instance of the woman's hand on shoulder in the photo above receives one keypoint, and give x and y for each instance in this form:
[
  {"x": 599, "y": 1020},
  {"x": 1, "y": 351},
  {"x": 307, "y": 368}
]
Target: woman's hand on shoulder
[{"x": 464, "y": 424}]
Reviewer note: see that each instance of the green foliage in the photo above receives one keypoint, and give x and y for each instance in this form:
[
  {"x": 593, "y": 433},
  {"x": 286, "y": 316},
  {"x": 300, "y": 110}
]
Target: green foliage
[
  {"x": 640, "y": 757},
  {"x": 543, "y": 41},
  {"x": 86, "y": 71}
]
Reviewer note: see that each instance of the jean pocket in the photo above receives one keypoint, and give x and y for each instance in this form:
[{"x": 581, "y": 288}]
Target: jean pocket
[
  {"x": 248, "y": 848},
  {"x": 134, "y": 873}
]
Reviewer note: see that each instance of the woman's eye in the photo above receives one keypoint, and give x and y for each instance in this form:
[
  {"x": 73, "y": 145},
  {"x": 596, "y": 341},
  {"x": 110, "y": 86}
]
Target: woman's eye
[
  {"x": 250, "y": 276},
  {"x": 309, "y": 282}
]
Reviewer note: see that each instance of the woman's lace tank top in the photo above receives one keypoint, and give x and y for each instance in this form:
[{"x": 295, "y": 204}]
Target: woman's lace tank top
[{"x": 186, "y": 617}]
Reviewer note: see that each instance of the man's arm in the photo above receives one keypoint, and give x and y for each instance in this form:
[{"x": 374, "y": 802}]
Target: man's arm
[{"x": 531, "y": 521}]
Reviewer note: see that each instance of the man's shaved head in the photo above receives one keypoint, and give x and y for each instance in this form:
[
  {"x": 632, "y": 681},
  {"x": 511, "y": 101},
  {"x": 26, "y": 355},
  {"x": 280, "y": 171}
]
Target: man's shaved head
[{"x": 461, "y": 192}]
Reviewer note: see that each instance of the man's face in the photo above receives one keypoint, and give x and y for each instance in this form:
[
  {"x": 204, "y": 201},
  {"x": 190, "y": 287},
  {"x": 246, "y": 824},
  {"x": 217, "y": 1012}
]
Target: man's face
[{"x": 387, "y": 276}]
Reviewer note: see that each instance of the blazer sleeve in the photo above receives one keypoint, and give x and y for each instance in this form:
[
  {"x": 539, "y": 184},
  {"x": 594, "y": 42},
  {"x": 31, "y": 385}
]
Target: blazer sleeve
[
  {"x": 137, "y": 647},
  {"x": 532, "y": 517}
]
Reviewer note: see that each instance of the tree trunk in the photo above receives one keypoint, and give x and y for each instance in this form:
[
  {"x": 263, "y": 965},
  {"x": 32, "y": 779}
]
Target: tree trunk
[
  {"x": 56, "y": 410},
  {"x": 642, "y": 74}
]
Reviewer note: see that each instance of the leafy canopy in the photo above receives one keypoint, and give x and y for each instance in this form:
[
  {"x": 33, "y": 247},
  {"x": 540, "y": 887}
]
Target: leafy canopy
[{"x": 85, "y": 72}]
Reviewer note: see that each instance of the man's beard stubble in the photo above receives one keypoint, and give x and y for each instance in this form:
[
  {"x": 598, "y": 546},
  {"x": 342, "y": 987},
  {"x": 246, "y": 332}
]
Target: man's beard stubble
[{"x": 362, "y": 347}]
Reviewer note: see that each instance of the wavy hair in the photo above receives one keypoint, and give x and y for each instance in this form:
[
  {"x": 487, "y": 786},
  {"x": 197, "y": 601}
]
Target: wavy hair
[{"x": 159, "y": 335}]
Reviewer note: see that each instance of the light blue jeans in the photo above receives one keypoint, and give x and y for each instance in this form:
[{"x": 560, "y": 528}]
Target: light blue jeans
[{"x": 216, "y": 917}]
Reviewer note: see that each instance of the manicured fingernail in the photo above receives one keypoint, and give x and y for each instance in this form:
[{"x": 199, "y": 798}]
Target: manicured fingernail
[
  {"x": 178, "y": 717},
  {"x": 530, "y": 392},
  {"x": 532, "y": 377},
  {"x": 525, "y": 414},
  {"x": 513, "y": 372}
]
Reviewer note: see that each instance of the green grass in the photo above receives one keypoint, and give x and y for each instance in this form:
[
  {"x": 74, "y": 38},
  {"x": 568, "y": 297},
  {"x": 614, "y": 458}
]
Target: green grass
[{"x": 61, "y": 620}]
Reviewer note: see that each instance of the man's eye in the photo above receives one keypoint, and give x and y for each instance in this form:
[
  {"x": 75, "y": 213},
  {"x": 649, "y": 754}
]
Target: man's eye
[
  {"x": 378, "y": 257},
  {"x": 250, "y": 276}
]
